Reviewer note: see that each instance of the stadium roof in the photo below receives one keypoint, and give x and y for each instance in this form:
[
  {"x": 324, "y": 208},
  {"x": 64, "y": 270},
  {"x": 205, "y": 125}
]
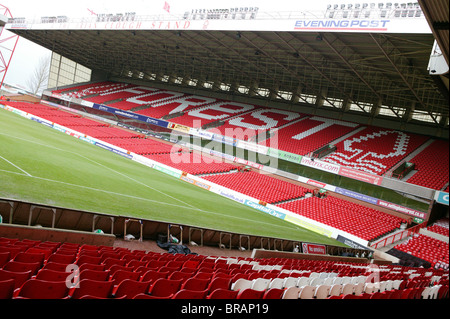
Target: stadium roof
[{"x": 362, "y": 72}]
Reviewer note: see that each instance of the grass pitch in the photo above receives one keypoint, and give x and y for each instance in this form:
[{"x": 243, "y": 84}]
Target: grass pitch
[{"x": 44, "y": 166}]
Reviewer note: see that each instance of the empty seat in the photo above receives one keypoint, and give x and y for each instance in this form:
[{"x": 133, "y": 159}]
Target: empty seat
[
  {"x": 129, "y": 288},
  {"x": 273, "y": 293},
  {"x": 221, "y": 293},
  {"x": 52, "y": 275},
  {"x": 164, "y": 287},
  {"x": 249, "y": 293},
  {"x": 6, "y": 288},
  {"x": 42, "y": 289},
  {"x": 94, "y": 288},
  {"x": 18, "y": 266},
  {"x": 190, "y": 294},
  {"x": 195, "y": 284},
  {"x": 291, "y": 293}
]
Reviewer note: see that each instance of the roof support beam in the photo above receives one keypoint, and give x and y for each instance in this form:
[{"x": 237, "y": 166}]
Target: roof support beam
[{"x": 401, "y": 75}]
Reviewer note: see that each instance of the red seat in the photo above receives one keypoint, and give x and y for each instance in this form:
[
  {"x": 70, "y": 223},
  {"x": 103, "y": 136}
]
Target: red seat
[
  {"x": 42, "y": 289},
  {"x": 153, "y": 275},
  {"x": 52, "y": 275},
  {"x": 190, "y": 294},
  {"x": 7, "y": 288},
  {"x": 273, "y": 293},
  {"x": 221, "y": 293},
  {"x": 95, "y": 288},
  {"x": 18, "y": 266},
  {"x": 195, "y": 284},
  {"x": 99, "y": 275},
  {"x": 129, "y": 288},
  {"x": 164, "y": 287},
  {"x": 26, "y": 257},
  {"x": 250, "y": 294},
  {"x": 19, "y": 277}
]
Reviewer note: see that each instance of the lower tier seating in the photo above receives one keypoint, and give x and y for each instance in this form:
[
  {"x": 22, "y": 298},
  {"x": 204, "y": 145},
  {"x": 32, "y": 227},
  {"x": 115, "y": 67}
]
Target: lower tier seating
[
  {"x": 435, "y": 251},
  {"x": 33, "y": 269},
  {"x": 363, "y": 222},
  {"x": 259, "y": 186}
]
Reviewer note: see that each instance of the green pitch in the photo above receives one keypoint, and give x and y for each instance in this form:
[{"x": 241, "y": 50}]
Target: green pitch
[{"x": 44, "y": 166}]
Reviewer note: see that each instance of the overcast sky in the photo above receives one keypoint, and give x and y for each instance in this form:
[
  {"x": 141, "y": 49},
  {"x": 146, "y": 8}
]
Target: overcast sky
[{"x": 27, "y": 54}]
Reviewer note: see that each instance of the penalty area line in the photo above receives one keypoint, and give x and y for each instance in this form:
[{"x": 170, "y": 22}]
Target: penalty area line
[{"x": 22, "y": 170}]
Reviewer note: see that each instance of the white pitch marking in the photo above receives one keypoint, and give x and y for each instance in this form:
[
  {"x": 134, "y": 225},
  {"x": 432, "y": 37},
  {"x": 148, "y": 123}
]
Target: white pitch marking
[{"x": 28, "y": 174}]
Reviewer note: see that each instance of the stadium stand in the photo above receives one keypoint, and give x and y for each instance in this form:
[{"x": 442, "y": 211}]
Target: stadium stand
[
  {"x": 440, "y": 227},
  {"x": 430, "y": 173},
  {"x": 432, "y": 250},
  {"x": 270, "y": 190},
  {"x": 363, "y": 222},
  {"x": 212, "y": 113},
  {"x": 126, "y": 274},
  {"x": 308, "y": 134},
  {"x": 193, "y": 163},
  {"x": 375, "y": 150},
  {"x": 174, "y": 105},
  {"x": 246, "y": 126}
]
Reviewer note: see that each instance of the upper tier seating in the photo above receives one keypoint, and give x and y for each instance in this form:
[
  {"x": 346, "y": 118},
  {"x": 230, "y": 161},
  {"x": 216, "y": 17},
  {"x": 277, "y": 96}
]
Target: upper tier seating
[
  {"x": 431, "y": 173},
  {"x": 94, "y": 88},
  {"x": 218, "y": 111},
  {"x": 127, "y": 92},
  {"x": 363, "y": 222},
  {"x": 175, "y": 104},
  {"x": 259, "y": 186},
  {"x": 375, "y": 150},
  {"x": 307, "y": 135},
  {"x": 247, "y": 125},
  {"x": 121, "y": 273}
]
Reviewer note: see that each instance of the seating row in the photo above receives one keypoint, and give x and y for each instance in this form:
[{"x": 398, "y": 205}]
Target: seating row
[
  {"x": 269, "y": 189},
  {"x": 363, "y": 222}
]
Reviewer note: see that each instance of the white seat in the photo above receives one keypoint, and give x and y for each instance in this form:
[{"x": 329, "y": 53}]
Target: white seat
[
  {"x": 370, "y": 288},
  {"x": 316, "y": 281},
  {"x": 359, "y": 289},
  {"x": 260, "y": 284},
  {"x": 389, "y": 285},
  {"x": 434, "y": 291},
  {"x": 307, "y": 292},
  {"x": 337, "y": 281},
  {"x": 276, "y": 283},
  {"x": 241, "y": 283},
  {"x": 328, "y": 281},
  {"x": 314, "y": 275},
  {"x": 382, "y": 286},
  {"x": 335, "y": 290},
  {"x": 322, "y": 292},
  {"x": 323, "y": 275},
  {"x": 303, "y": 281},
  {"x": 426, "y": 293},
  {"x": 348, "y": 289},
  {"x": 291, "y": 293},
  {"x": 346, "y": 280},
  {"x": 290, "y": 282},
  {"x": 396, "y": 284}
]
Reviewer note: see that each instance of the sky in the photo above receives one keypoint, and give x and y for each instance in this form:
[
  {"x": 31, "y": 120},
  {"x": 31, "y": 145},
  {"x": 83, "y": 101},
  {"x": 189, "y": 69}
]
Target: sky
[{"x": 27, "y": 54}]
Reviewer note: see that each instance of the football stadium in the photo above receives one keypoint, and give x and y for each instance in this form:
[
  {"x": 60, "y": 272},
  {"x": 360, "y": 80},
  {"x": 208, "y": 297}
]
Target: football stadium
[{"x": 231, "y": 153}]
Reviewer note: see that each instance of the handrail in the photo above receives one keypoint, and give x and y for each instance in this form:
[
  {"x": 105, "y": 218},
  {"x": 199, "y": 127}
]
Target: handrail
[{"x": 397, "y": 236}]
